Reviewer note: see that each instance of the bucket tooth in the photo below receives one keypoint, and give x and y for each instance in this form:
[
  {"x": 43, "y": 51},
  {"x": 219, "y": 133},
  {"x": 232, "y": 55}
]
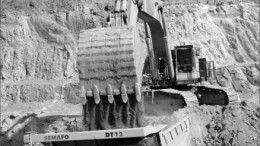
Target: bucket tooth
[
  {"x": 138, "y": 94},
  {"x": 110, "y": 95},
  {"x": 83, "y": 95},
  {"x": 96, "y": 94},
  {"x": 124, "y": 93}
]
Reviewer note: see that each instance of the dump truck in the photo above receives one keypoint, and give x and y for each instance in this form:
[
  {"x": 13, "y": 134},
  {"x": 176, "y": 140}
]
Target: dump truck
[{"x": 160, "y": 135}]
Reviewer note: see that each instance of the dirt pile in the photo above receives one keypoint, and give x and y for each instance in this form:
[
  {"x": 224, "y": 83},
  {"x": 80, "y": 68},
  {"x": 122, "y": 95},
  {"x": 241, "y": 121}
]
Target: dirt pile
[{"x": 235, "y": 126}]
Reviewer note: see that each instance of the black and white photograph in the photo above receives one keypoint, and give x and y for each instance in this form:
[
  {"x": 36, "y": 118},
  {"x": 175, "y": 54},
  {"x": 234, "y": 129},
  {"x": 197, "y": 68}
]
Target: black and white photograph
[{"x": 129, "y": 73}]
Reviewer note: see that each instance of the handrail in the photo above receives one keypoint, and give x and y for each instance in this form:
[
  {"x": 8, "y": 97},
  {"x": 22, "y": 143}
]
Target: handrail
[{"x": 172, "y": 133}]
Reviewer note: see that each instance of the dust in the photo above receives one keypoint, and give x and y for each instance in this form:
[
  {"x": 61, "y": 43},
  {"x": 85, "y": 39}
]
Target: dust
[{"x": 117, "y": 115}]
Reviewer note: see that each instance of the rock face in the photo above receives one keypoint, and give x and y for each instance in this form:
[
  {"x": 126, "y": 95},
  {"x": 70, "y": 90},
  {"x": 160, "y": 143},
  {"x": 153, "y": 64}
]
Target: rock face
[
  {"x": 39, "y": 42},
  {"x": 39, "y": 46}
]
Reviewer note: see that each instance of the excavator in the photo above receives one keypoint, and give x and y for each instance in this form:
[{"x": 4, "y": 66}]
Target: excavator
[{"x": 111, "y": 63}]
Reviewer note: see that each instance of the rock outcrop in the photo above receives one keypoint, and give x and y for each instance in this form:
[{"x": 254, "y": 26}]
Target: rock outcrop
[{"x": 39, "y": 46}]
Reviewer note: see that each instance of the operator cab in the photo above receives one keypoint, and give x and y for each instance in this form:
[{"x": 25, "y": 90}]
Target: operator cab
[
  {"x": 185, "y": 62},
  {"x": 188, "y": 67}
]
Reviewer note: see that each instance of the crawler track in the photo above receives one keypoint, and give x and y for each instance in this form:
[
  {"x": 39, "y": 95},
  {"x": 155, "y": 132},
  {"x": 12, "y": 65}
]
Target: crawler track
[
  {"x": 199, "y": 95},
  {"x": 216, "y": 95}
]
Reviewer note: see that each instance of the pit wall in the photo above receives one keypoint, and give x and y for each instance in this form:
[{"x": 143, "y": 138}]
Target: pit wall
[{"x": 38, "y": 42}]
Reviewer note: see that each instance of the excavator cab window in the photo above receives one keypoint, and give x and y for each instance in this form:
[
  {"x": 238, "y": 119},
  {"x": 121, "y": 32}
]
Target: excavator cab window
[{"x": 184, "y": 59}]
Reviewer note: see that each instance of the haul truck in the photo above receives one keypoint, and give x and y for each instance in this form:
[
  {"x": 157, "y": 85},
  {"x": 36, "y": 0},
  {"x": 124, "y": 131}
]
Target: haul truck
[{"x": 161, "y": 135}]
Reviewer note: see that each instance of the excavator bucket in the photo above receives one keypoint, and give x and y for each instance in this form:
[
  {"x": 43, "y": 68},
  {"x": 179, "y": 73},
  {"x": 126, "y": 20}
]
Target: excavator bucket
[{"x": 110, "y": 69}]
